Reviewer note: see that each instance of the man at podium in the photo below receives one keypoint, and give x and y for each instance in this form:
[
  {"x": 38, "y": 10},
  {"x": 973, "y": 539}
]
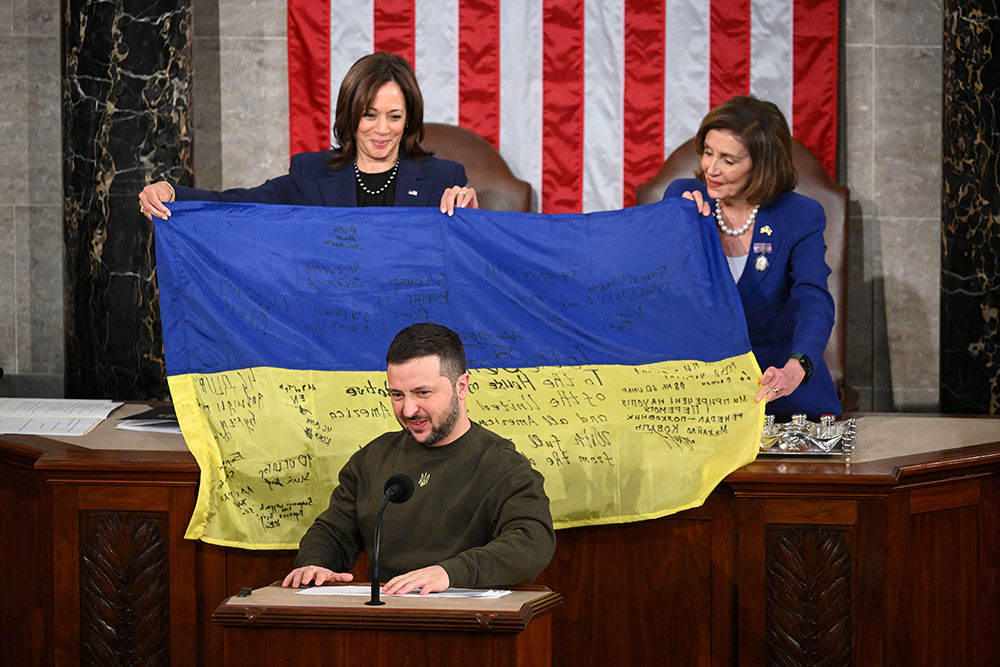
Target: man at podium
[{"x": 479, "y": 515}]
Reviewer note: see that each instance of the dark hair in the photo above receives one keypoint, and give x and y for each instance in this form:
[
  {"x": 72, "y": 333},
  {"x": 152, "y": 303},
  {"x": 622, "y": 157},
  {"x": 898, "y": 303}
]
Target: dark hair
[
  {"x": 426, "y": 339},
  {"x": 357, "y": 93},
  {"x": 763, "y": 130}
]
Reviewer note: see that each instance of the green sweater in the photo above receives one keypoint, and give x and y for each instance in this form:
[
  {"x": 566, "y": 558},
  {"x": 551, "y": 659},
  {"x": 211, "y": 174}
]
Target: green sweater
[{"x": 482, "y": 514}]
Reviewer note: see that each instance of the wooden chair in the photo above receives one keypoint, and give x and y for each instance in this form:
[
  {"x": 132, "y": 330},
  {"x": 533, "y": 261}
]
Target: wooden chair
[
  {"x": 813, "y": 182},
  {"x": 496, "y": 186}
]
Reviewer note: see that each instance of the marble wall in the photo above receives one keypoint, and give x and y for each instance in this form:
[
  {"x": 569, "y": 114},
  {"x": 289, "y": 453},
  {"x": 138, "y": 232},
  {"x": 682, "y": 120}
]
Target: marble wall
[
  {"x": 891, "y": 160},
  {"x": 126, "y": 93},
  {"x": 970, "y": 261}
]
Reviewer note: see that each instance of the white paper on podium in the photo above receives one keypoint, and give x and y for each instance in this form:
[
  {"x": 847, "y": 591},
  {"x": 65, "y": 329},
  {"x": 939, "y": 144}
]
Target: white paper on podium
[
  {"x": 366, "y": 591},
  {"x": 52, "y": 426},
  {"x": 57, "y": 407},
  {"x": 53, "y": 416}
]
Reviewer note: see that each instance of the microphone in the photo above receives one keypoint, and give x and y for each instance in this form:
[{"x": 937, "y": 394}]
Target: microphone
[{"x": 398, "y": 489}]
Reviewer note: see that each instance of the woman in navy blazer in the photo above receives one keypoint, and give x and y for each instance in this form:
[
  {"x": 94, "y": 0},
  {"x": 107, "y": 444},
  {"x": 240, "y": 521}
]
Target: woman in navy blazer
[
  {"x": 379, "y": 125},
  {"x": 773, "y": 240}
]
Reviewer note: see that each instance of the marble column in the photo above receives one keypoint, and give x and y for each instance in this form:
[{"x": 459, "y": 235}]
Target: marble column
[
  {"x": 126, "y": 121},
  {"x": 970, "y": 255}
]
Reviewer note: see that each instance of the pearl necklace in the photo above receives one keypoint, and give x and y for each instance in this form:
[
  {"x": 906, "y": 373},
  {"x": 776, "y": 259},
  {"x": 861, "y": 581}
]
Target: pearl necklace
[
  {"x": 374, "y": 193},
  {"x": 734, "y": 232}
]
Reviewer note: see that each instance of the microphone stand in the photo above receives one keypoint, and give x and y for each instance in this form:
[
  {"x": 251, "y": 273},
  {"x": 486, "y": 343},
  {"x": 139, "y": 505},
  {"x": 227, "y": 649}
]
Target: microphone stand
[
  {"x": 398, "y": 489},
  {"x": 375, "y": 601}
]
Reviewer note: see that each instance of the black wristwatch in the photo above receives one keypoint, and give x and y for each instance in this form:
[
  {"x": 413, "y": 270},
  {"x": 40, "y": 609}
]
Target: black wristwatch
[{"x": 807, "y": 364}]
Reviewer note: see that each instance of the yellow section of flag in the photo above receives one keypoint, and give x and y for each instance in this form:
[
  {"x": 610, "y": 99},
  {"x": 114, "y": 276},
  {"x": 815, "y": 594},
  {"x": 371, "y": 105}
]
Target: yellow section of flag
[{"x": 615, "y": 443}]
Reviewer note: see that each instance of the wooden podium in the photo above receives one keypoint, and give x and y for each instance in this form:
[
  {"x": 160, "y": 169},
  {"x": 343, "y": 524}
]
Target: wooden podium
[
  {"x": 908, "y": 532},
  {"x": 278, "y": 626}
]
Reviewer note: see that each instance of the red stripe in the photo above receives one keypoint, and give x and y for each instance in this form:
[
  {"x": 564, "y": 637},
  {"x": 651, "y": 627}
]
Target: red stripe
[
  {"x": 395, "y": 27},
  {"x": 815, "y": 72},
  {"x": 814, "y": 78},
  {"x": 479, "y": 68},
  {"x": 729, "y": 45},
  {"x": 308, "y": 75},
  {"x": 562, "y": 106},
  {"x": 643, "y": 104}
]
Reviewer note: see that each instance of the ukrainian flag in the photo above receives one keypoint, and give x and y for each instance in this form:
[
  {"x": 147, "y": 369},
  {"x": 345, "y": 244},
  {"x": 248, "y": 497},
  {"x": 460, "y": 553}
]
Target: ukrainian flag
[{"x": 610, "y": 347}]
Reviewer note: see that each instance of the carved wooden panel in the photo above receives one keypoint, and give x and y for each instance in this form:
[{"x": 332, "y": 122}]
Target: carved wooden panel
[
  {"x": 808, "y": 588},
  {"x": 124, "y": 593}
]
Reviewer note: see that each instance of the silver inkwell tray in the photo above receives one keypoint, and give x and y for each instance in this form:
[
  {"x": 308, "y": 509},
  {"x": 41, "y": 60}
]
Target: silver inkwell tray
[{"x": 801, "y": 437}]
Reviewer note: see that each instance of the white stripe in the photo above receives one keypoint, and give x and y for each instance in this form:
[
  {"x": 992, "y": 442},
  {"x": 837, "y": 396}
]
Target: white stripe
[
  {"x": 603, "y": 107},
  {"x": 352, "y": 35},
  {"x": 686, "y": 80},
  {"x": 771, "y": 75},
  {"x": 436, "y": 54},
  {"x": 521, "y": 90}
]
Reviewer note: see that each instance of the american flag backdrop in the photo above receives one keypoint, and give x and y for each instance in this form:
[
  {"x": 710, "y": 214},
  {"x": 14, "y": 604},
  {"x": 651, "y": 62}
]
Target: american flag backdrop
[{"x": 583, "y": 98}]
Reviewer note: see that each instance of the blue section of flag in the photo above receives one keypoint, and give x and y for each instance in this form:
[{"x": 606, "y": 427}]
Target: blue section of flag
[{"x": 247, "y": 285}]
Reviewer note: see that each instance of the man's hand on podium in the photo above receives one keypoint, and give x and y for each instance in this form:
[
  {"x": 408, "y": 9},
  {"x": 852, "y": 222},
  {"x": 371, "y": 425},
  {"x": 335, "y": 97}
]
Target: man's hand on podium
[
  {"x": 315, "y": 575},
  {"x": 428, "y": 579}
]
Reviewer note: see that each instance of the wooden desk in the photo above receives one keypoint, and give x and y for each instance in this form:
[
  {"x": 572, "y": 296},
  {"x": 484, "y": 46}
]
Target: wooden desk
[
  {"x": 893, "y": 559},
  {"x": 276, "y": 626}
]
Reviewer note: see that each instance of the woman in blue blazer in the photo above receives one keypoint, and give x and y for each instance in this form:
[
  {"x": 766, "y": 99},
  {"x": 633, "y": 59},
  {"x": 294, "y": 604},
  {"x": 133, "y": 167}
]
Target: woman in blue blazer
[
  {"x": 379, "y": 125},
  {"x": 773, "y": 240}
]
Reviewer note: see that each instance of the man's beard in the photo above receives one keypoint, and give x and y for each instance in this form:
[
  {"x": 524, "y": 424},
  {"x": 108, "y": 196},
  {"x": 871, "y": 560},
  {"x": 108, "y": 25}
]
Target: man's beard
[{"x": 442, "y": 430}]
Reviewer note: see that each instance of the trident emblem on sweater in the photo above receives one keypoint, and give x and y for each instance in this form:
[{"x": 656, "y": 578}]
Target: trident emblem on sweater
[{"x": 424, "y": 478}]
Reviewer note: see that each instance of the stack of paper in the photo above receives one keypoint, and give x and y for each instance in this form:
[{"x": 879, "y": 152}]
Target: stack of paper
[
  {"x": 52, "y": 416},
  {"x": 366, "y": 590},
  {"x": 155, "y": 420}
]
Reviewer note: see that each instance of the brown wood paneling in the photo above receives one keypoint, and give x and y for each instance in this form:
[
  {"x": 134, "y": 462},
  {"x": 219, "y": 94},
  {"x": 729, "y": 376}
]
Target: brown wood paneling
[
  {"x": 688, "y": 589},
  {"x": 25, "y": 560},
  {"x": 750, "y": 581},
  {"x": 246, "y": 567},
  {"x": 513, "y": 631},
  {"x": 944, "y": 496},
  {"x": 939, "y": 601},
  {"x": 809, "y": 511},
  {"x": 66, "y": 586},
  {"x": 988, "y": 585},
  {"x": 649, "y": 579},
  {"x": 210, "y": 589},
  {"x": 898, "y": 562},
  {"x": 725, "y": 539},
  {"x": 534, "y": 647},
  {"x": 797, "y": 590},
  {"x": 183, "y": 563},
  {"x": 809, "y": 596},
  {"x": 133, "y": 498},
  {"x": 124, "y": 588},
  {"x": 868, "y": 572},
  {"x": 292, "y": 646}
]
